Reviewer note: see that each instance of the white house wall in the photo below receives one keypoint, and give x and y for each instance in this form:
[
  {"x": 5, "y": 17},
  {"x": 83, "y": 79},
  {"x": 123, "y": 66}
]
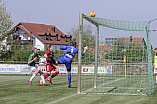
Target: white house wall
[
  {"x": 39, "y": 44},
  {"x": 57, "y": 47},
  {"x": 36, "y": 42},
  {"x": 22, "y": 35}
]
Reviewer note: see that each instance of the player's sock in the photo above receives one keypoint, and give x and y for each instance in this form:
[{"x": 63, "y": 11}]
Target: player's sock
[
  {"x": 46, "y": 75},
  {"x": 42, "y": 79},
  {"x": 54, "y": 74},
  {"x": 33, "y": 76},
  {"x": 69, "y": 79}
]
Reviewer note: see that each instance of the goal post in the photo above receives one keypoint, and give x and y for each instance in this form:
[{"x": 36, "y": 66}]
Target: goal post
[
  {"x": 79, "y": 53},
  {"x": 102, "y": 70}
]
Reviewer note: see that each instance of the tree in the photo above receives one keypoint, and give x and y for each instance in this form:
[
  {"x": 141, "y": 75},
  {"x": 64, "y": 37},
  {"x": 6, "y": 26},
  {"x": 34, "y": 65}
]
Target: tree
[
  {"x": 5, "y": 26},
  {"x": 88, "y": 39},
  {"x": 5, "y": 20}
]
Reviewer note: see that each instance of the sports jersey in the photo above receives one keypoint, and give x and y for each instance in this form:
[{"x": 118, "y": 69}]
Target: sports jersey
[
  {"x": 70, "y": 50},
  {"x": 49, "y": 60},
  {"x": 65, "y": 59},
  {"x": 31, "y": 57}
]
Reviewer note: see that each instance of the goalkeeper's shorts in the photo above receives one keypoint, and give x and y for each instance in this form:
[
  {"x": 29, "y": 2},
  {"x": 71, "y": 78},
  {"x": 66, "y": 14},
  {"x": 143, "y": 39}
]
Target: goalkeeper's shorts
[{"x": 65, "y": 60}]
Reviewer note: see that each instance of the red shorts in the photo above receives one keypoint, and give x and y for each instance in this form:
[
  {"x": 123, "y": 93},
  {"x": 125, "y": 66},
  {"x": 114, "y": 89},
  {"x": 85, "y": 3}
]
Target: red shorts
[{"x": 50, "y": 67}]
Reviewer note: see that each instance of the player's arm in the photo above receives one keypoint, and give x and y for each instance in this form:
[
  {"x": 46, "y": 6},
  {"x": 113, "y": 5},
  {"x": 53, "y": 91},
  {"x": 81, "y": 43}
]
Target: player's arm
[
  {"x": 47, "y": 55},
  {"x": 64, "y": 47},
  {"x": 30, "y": 58},
  {"x": 85, "y": 49},
  {"x": 39, "y": 56}
]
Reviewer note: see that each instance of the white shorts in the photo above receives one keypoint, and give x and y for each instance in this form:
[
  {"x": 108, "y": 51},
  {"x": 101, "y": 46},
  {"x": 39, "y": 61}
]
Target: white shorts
[
  {"x": 32, "y": 67},
  {"x": 155, "y": 70}
]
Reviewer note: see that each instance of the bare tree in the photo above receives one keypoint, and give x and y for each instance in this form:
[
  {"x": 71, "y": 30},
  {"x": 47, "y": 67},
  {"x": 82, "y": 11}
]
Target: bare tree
[{"x": 87, "y": 33}]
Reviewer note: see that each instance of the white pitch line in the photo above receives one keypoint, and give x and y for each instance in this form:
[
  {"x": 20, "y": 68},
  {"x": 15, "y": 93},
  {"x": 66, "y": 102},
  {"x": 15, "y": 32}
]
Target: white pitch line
[
  {"x": 103, "y": 84},
  {"x": 61, "y": 99},
  {"x": 76, "y": 94}
]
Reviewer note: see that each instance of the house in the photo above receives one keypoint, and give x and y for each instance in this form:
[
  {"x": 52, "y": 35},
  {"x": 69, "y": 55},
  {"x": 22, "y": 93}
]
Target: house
[
  {"x": 126, "y": 40},
  {"x": 109, "y": 43},
  {"x": 40, "y": 35}
]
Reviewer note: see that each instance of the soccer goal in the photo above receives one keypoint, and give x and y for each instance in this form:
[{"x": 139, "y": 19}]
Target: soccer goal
[{"x": 118, "y": 60}]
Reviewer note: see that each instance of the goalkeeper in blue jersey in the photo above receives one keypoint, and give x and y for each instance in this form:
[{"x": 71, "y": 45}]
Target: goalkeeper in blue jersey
[{"x": 67, "y": 59}]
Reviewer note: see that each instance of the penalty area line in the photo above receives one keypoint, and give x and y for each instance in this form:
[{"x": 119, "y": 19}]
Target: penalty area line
[{"x": 61, "y": 99}]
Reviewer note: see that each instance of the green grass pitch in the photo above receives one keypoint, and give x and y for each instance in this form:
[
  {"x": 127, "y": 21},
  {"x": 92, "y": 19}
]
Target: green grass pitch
[{"x": 15, "y": 89}]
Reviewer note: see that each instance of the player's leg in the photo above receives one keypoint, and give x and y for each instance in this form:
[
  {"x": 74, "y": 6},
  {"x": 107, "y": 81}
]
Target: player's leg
[
  {"x": 48, "y": 69},
  {"x": 42, "y": 81},
  {"x": 56, "y": 69},
  {"x": 67, "y": 61},
  {"x": 69, "y": 77},
  {"x": 61, "y": 60},
  {"x": 68, "y": 66},
  {"x": 35, "y": 72}
]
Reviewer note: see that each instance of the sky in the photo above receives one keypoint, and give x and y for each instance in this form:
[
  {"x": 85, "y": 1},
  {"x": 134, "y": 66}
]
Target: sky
[{"x": 64, "y": 14}]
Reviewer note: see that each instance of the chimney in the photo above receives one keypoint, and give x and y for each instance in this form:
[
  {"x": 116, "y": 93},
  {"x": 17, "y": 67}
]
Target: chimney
[{"x": 53, "y": 29}]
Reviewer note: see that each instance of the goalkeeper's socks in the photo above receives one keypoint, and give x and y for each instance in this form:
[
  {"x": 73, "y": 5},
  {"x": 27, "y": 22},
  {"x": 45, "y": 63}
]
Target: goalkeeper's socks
[
  {"x": 46, "y": 75},
  {"x": 33, "y": 76},
  {"x": 69, "y": 79}
]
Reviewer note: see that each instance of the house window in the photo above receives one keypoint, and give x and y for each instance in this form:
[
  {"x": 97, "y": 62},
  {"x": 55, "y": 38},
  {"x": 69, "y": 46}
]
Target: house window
[
  {"x": 15, "y": 37},
  {"x": 47, "y": 38},
  {"x": 56, "y": 38},
  {"x": 65, "y": 39}
]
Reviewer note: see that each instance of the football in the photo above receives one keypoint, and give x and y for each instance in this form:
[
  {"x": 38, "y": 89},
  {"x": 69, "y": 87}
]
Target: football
[{"x": 92, "y": 14}]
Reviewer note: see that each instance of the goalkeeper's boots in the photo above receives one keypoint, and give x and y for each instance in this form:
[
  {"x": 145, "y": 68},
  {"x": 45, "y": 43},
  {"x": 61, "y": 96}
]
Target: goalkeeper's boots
[
  {"x": 50, "y": 81},
  {"x": 30, "y": 82},
  {"x": 70, "y": 86},
  {"x": 40, "y": 82}
]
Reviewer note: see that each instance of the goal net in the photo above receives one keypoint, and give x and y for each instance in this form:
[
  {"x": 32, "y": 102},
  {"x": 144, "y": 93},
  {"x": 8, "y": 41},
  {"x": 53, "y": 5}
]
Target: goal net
[{"x": 118, "y": 60}]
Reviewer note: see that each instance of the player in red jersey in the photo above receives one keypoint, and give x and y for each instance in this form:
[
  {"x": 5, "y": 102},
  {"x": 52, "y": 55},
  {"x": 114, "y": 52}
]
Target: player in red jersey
[{"x": 49, "y": 64}]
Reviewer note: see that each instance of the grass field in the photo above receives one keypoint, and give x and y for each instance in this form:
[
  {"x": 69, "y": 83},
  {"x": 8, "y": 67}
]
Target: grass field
[{"x": 14, "y": 89}]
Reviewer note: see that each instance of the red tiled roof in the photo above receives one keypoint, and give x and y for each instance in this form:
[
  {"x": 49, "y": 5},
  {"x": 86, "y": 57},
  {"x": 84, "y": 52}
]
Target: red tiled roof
[
  {"x": 137, "y": 40},
  {"x": 102, "y": 48},
  {"x": 42, "y": 29}
]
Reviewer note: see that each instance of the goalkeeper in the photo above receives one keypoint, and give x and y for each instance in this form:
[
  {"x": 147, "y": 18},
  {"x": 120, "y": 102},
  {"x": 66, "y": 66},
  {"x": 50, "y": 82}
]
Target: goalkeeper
[
  {"x": 67, "y": 59},
  {"x": 49, "y": 64}
]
